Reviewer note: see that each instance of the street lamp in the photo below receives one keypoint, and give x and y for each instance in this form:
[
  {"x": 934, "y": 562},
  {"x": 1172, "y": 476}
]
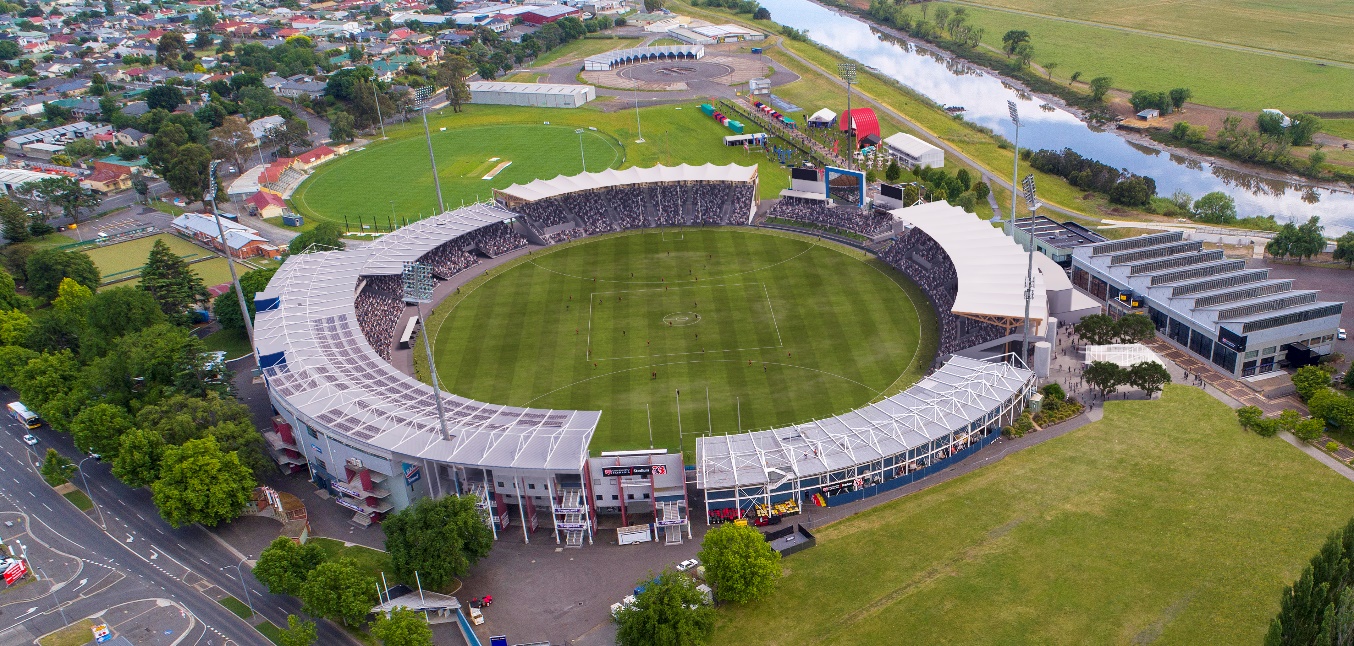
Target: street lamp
[
  {"x": 418, "y": 288},
  {"x": 240, "y": 573},
  {"x": 1032, "y": 201},
  {"x": 848, "y": 73},
  {"x": 42, "y": 575},
  {"x": 579, "y": 132},
  {"x": 81, "y": 468}
]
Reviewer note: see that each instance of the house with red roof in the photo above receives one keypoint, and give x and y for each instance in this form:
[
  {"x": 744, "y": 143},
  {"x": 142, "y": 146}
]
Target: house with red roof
[
  {"x": 152, "y": 36},
  {"x": 314, "y": 157},
  {"x": 267, "y": 205}
]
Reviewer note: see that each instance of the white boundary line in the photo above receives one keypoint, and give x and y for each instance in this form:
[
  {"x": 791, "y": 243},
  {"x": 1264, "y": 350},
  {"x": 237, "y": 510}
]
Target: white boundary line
[{"x": 780, "y": 343}]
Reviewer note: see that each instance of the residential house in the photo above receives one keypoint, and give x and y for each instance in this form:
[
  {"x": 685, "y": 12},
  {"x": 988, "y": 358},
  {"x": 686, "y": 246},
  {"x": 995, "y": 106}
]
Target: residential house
[
  {"x": 267, "y": 205},
  {"x": 132, "y": 137},
  {"x": 242, "y": 241},
  {"x": 107, "y": 178}
]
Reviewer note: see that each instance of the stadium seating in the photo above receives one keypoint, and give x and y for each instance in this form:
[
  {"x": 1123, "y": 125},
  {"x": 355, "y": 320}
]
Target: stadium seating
[
  {"x": 866, "y": 223},
  {"x": 450, "y": 259},
  {"x": 379, "y": 305},
  {"x": 496, "y": 239},
  {"x": 922, "y": 259}
]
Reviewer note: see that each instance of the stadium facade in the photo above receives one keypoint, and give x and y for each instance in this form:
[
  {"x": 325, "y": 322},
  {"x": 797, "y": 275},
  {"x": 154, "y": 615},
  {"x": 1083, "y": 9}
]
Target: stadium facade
[{"x": 370, "y": 432}]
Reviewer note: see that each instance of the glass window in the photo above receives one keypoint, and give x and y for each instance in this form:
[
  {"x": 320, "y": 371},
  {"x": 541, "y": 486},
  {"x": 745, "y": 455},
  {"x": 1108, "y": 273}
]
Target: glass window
[
  {"x": 629, "y": 496},
  {"x": 615, "y": 497},
  {"x": 1270, "y": 350},
  {"x": 531, "y": 485},
  {"x": 311, "y": 432},
  {"x": 1252, "y": 354},
  {"x": 599, "y": 496}
]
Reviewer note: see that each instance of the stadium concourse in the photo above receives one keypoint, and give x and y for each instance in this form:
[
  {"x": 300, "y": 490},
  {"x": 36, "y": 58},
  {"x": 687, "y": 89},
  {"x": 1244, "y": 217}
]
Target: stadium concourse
[{"x": 371, "y": 434}]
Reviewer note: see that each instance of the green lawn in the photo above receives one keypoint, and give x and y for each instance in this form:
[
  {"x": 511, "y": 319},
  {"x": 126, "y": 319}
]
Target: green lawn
[
  {"x": 271, "y": 631},
  {"x": 80, "y": 499},
  {"x": 371, "y": 561},
  {"x": 1317, "y": 28},
  {"x": 1162, "y": 523},
  {"x": 1340, "y": 128},
  {"x": 1219, "y": 77},
  {"x": 583, "y": 48},
  {"x": 780, "y": 328},
  {"x": 236, "y": 606},
  {"x": 213, "y": 272},
  {"x": 75, "y": 634},
  {"x": 127, "y": 258},
  {"x": 394, "y": 174},
  {"x": 235, "y": 343}
]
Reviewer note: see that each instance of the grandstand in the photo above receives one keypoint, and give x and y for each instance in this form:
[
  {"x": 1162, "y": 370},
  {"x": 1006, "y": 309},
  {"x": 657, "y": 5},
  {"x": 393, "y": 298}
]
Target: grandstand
[
  {"x": 609, "y": 60},
  {"x": 327, "y": 322}
]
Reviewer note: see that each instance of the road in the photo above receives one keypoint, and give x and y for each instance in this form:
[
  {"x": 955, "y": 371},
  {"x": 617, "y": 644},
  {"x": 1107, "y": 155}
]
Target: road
[{"x": 171, "y": 563}]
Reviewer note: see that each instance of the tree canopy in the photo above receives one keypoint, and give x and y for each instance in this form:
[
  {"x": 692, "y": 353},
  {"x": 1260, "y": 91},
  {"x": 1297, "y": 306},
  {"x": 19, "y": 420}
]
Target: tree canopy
[
  {"x": 226, "y": 307},
  {"x": 402, "y": 627},
  {"x": 739, "y": 564},
  {"x": 173, "y": 284},
  {"x": 669, "y": 611},
  {"x": 284, "y": 565},
  {"x": 200, "y": 483},
  {"x": 46, "y": 269},
  {"x": 440, "y": 539},
  {"x": 339, "y": 590}
]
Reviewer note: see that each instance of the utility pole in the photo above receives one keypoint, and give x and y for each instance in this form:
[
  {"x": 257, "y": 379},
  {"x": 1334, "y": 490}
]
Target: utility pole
[
  {"x": 230, "y": 260},
  {"x": 1032, "y": 201}
]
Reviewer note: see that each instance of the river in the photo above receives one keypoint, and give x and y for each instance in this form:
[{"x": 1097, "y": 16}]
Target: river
[{"x": 954, "y": 82}]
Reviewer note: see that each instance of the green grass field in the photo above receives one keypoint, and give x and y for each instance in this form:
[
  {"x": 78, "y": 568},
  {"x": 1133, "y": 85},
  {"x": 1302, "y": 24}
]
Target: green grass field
[
  {"x": 1316, "y": 28},
  {"x": 1218, "y": 77},
  {"x": 583, "y": 48},
  {"x": 780, "y": 328},
  {"x": 124, "y": 257},
  {"x": 212, "y": 272},
  {"x": 1162, "y": 523},
  {"x": 364, "y": 184}
]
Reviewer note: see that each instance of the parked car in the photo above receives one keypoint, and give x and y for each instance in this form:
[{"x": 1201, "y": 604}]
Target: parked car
[
  {"x": 687, "y": 565},
  {"x": 1340, "y": 334},
  {"x": 30, "y": 440}
]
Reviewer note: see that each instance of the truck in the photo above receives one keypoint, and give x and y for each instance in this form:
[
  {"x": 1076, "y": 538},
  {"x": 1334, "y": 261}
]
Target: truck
[{"x": 26, "y": 417}]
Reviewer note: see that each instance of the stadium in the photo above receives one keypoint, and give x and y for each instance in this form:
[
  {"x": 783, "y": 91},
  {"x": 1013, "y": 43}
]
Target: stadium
[{"x": 369, "y": 430}]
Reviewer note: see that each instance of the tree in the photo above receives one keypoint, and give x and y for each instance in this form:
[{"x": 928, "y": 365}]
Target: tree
[
  {"x": 45, "y": 378},
  {"x": 326, "y": 236},
  {"x": 670, "y": 610},
  {"x": 1100, "y": 86},
  {"x": 226, "y": 307},
  {"x": 294, "y": 137},
  {"x": 137, "y": 463},
  {"x": 188, "y": 175},
  {"x": 200, "y": 483},
  {"x": 402, "y": 627},
  {"x": 115, "y": 312},
  {"x": 653, "y": 6},
  {"x": 1310, "y": 609},
  {"x": 233, "y": 140},
  {"x": 1134, "y": 328},
  {"x": 170, "y": 47},
  {"x": 1104, "y": 376},
  {"x": 1308, "y": 380},
  {"x": 67, "y": 193},
  {"x": 1303, "y": 128},
  {"x": 1249, "y": 416},
  {"x": 205, "y": 19},
  {"x": 56, "y": 469},
  {"x": 339, "y": 590},
  {"x": 284, "y": 565},
  {"x": 141, "y": 186},
  {"x": 739, "y": 563},
  {"x": 99, "y": 428},
  {"x": 1097, "y": 329},
  {"x": 1149, "y": 377},
  {"x": 166, "y": 97},
  {"x": 1013, "y": 39},
  {"x": 1309, "y": 429},
  {"x": 440, "y": 539},
  {"x": 298, "y": 632},
  {"x": 1179, "y": 96},
  {"x": 1344, "y": 249},
  {"x": 893, "y": 172},
  {"x": 762, "y": 13},
  {"x": 15, "y": 327},
  {"x": 1215, "y": 208},
  {"x": 1281, "y": 245},
  {"x": 452, "y": 74},
  {"x": 182, "y": 417},
  {"x": 14, "y": 219},
  {"x": 1310, "y": 239},
  {"x": 341, "y": 128},
  {"x": 173, "y": 284}
]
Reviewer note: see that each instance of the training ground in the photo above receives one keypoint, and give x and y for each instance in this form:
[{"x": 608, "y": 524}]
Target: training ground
[{"x": 780, "y": 329}]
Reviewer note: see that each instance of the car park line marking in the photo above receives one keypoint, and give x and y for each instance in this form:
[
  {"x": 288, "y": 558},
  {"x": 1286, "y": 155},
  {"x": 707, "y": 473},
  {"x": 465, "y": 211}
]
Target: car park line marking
[{"x": 48, "y": 508}]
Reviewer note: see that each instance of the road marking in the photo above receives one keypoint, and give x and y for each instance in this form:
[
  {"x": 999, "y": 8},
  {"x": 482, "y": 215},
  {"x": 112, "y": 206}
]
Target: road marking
[
  {"x": 103, "y": 487},
  {"x": 140, "y": 516},
  {"x": 31, "y": 493},
  {"x": 205, "y": 561},
  {"x": 48, "y": 508}
]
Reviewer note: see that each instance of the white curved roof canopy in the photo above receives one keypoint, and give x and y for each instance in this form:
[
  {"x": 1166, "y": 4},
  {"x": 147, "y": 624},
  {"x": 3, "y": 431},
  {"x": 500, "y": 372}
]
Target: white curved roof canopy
[
  {"x": 562, "y": 185},
  {"x": 991, "y": 269},
  {"x": 606, "y": 60},
  {"x": 317, "y": 360},
  {"x": 959, "y": 393}
]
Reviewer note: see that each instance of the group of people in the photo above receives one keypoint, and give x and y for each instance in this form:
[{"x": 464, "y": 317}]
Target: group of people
[
  {"x": 619, "y": 208},
  {"x": 922, "y": 259},
  {"x": 379, "y": 306},
  {"x": 868, "y": 223},
  {"x": 496, "y": 239},
  {"x": 450, "y": 259}
]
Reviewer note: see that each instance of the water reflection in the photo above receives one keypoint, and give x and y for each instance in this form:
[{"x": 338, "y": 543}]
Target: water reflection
[{"x": 952, "y": 82}]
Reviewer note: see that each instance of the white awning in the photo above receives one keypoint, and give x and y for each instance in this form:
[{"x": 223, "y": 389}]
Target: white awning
[
  {"x": 823, "y": 116},
  {"x": 1123, "y": 354}
]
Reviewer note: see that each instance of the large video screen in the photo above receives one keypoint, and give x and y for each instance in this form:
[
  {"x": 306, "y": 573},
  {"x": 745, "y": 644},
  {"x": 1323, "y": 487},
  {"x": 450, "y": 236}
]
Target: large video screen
[
  {"x": 846, "y": 186},
  {"x": 889, "y": 190},
  {"x": 806, "y": 174}
]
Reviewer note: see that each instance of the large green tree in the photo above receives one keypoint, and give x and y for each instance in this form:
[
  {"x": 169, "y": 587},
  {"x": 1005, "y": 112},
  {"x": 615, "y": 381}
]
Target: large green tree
[
  {"x": 46, "y": 377},
  {"x": 1104, "y": 376},
  {"x": 200, "y": 483},
  {"x": 226, "y": 307},
  {"x": 137, "y": 463},
  {"x": 189, "y": 174},
  {"x": 440, "y": 539},
  {"x": 181, "y": 417},
  {"x": 1308, "y": 380},
  {"x": 116, "y": 312},
  {"x": 99, "y": 428},
  {"x": 284, "y": 565},
  {"x": 1310, "y": 609},
  {"x": 14, "y": 220},
  {"x": 46, "y": 269},
  {"x": 739, "y": 563},
  {"x": 56, "y": 469},
  {"x": 1149, "y": 377},
  {"x": 339, "y": 590},
  {"x": 1344, "y": 249},
  {"x": 326, "y": 236},
  {"x": 150, "y": 364},
  {"x": 173, "y": 284},
  {"x": 402, "y": 627},
  {"x": 67, "y": 193},
  {"x": 298, "y": 632},
  {"x": 670, "y": 611}
]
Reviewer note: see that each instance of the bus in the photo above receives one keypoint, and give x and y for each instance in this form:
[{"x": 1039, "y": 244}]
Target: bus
[{"x": 26, "y": 417}]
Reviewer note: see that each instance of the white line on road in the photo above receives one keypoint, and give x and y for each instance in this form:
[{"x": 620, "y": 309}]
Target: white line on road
[{"x": 48, "y": 508}]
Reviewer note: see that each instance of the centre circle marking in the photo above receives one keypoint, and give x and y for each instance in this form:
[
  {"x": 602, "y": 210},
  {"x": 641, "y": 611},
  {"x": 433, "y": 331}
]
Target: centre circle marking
[{"x": 682, "y": 318}]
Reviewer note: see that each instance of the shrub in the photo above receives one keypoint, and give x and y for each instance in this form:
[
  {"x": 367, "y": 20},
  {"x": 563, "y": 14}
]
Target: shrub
[
  {"x": 1332, "y": 446},
  {"x": 1053, "y": 391}
]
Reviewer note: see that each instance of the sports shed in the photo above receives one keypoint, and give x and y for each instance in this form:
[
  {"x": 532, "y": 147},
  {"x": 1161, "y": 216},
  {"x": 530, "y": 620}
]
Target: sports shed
[{"x": 538, "y": 95}]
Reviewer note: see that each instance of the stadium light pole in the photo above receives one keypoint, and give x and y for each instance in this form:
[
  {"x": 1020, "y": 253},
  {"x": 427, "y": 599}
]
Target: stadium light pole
[
  {"x": 639, "y": 130},
  {"x": 1015, "y": 160},
  {"x": 1031, "y": 199},
  {"x": 848, "y": 74},
  {"x": 417, "y": 281},
  {"x": 437, "y": 183},
  {"x": 579, "y": 132},
  {"x": 377, "y": 99},
  {"x": 230, "y": 260}
]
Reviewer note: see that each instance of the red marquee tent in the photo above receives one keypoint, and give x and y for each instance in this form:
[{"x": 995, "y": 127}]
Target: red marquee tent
[{"x": 864, "y": 121}]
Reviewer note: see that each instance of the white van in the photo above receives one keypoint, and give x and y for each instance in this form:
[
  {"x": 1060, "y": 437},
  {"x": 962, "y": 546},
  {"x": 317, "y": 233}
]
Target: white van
[{"x": 26, "y": 417}]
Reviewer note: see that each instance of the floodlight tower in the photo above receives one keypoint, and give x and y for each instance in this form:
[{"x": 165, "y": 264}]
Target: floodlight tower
[
  {"x": 417, "y": 279},
  {"x": 230, "y": 261},
  {"x": 639, "y": 130},
  {"x": 422, "y": 99},
  {"x": 848, "y": 73},
  {"x": 1032, "y": 201},
  {"x": 1015, "y": 160},
  {"x": 377, "y": 100}
]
